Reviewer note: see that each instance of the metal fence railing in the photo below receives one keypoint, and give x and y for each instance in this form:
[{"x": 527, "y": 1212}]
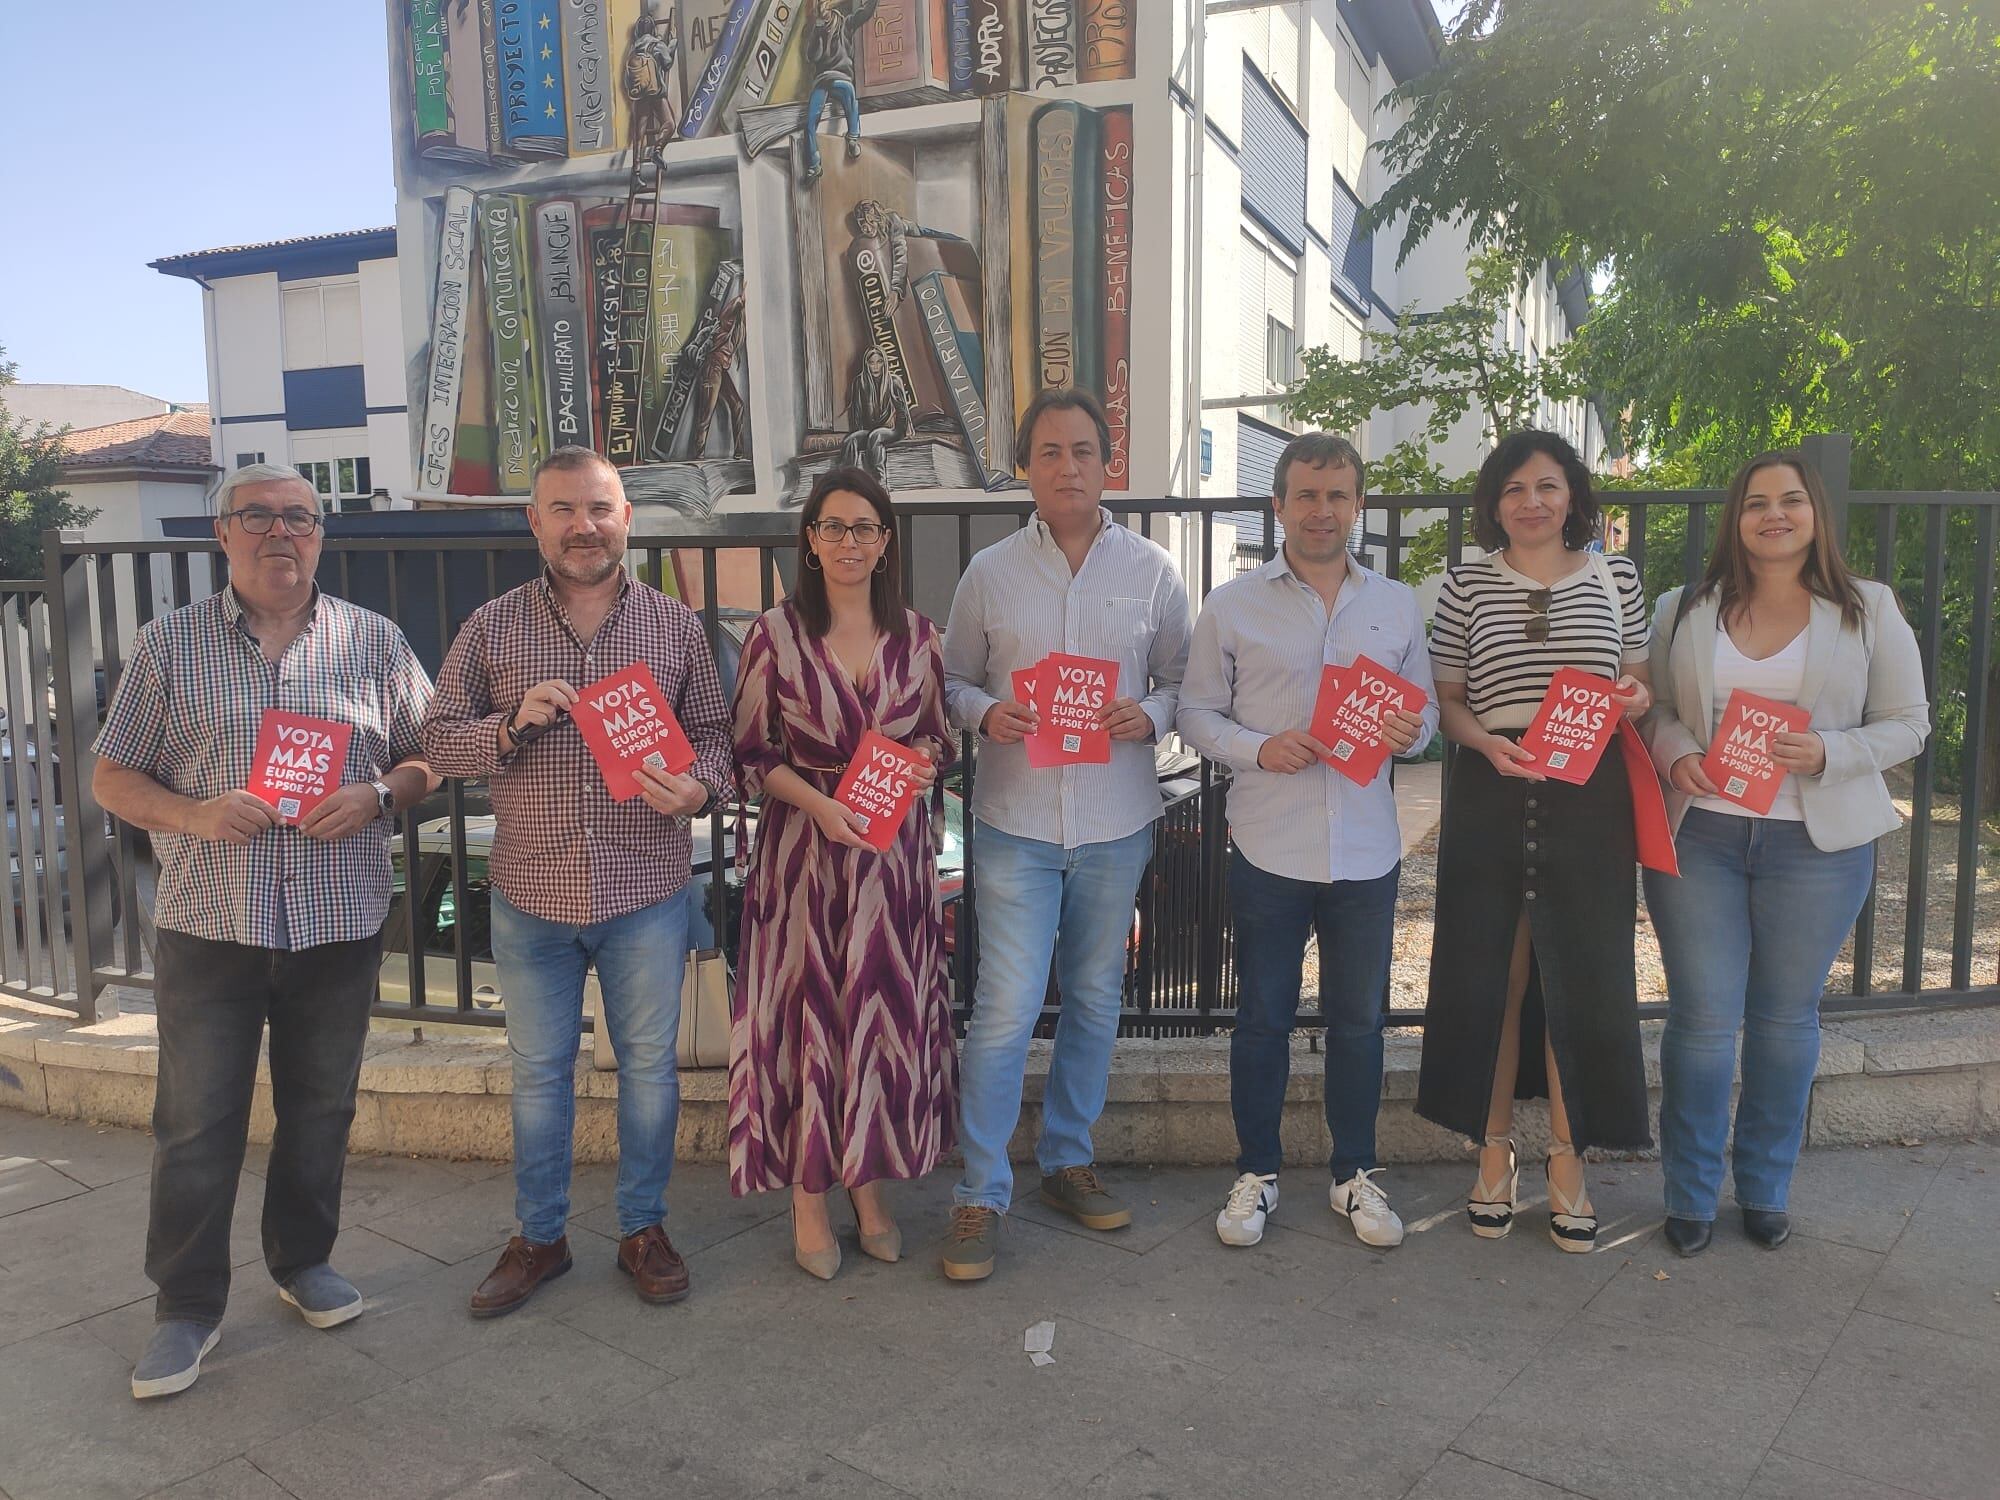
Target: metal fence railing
[{"x": 82, "y": 904}]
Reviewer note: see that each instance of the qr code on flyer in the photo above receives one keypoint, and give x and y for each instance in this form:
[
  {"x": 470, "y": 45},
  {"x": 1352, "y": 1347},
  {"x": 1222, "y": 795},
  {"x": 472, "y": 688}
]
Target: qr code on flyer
[
  {"x": 1558, "y": 759},
  {"x": 288, "y": 807},
  {"x": 1737, "y": 786},
  {"x": 1343, "y": 751},
  {"x": 1072, "y": 743}
]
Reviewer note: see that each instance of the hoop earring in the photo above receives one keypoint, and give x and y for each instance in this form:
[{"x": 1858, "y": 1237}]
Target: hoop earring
[
  {"x": 882, "y": 563},
  {"x": 812, "y": 561}
]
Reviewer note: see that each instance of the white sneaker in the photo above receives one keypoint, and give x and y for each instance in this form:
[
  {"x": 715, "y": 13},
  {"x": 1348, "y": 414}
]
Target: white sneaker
[
  {"x": 1241, "y": 1221},
  {"x": 1367, "y": 1209}
]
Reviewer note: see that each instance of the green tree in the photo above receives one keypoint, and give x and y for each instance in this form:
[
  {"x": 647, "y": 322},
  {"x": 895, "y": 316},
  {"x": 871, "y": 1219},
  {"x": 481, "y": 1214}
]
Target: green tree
[
  {"x": 1792, "y": 212},
  {"x": 1448, "y": 364},
  {"x": 1794, "y": 204},
  {"x": 30, "y": 468}
]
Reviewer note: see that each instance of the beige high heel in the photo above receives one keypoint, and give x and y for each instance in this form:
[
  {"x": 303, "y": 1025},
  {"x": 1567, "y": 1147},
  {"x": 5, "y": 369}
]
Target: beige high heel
[
  {"x": 886, "y": 1246},
  {"x": 825, "y": 1264}
]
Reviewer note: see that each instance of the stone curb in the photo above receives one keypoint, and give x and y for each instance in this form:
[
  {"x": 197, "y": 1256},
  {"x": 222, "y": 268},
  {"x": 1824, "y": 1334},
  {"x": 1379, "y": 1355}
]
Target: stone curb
[{"x": 1880, "y": 1078}]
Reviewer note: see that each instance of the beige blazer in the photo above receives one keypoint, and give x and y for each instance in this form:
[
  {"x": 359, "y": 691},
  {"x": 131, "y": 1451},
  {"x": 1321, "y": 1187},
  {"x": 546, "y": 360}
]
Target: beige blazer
[{"x": 1865, "y": 689}]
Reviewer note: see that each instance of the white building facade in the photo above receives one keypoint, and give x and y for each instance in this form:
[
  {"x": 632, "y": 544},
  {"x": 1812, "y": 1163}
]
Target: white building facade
[
  {"x": 1288, "y": 96},
  {"x": 305, "y": 360}
]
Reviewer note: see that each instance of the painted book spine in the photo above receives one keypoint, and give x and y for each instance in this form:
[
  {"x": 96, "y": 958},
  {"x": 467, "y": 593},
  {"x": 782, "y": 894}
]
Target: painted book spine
[
  {"x": 710, "y": 93},
  {"x": 1115, "y": 302},
  {"x": 430, "y": 96},
  {"x": 562, "y": 339},
  {"x": 770, "y": 37},
  {"x": 1105, "y": 39},
  {"x": 529, "y": 56},
  {"x": 451, "y": 306},
  {"x": 996, "y": 46},
  {"x": 501, "y": 240},
  {"x": 957, "y": 359},
  {"x": 1057, "y": 226},
  {"x": 590, "y": 77},
  {"x": 623, "y": 391},
  {"x": 1051, "y": 44}
]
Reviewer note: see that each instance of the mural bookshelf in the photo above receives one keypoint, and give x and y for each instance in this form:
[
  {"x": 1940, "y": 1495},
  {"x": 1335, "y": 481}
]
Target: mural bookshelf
[{"x": 615, "y": 227}]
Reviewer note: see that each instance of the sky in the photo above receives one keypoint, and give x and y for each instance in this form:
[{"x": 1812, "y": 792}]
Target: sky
[
  {"x": 130, "y": 131},
  {"x": 134, "y": 131}
]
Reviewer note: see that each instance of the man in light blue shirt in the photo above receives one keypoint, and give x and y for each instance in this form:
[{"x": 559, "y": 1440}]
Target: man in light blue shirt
[
  {"x": 1057, "y": 853},
  {"x": 1314, "y": 852}
]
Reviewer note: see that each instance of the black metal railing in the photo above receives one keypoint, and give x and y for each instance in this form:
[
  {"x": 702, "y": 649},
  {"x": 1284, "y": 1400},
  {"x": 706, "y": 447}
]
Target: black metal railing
[{"x": 82, "y": 904}]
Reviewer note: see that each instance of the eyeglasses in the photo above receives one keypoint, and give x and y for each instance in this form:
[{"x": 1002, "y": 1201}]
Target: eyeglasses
[
  {"x": 1538, "y": 622},
  {"x": 258, "y": 521},
  {"x": 868, "y": 533}
]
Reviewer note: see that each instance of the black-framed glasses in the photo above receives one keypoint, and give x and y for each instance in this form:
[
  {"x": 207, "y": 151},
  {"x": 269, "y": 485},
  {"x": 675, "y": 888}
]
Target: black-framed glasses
[
  {"x": 258, "y": 521},
  {"x": 868, "y": 533},
  {"x": 1538, "y": 621}
]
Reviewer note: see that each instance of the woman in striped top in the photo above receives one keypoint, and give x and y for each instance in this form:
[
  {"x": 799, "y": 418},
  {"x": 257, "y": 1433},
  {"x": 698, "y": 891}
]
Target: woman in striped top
[{"x": 1532, "y": 987}]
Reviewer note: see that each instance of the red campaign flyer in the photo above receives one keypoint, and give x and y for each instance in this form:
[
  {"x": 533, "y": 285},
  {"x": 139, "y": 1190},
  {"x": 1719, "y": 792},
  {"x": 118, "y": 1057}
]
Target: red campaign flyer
[
  {"x": 1739, "y": 757},
  {"x": 1576, "y": 721},
  {"x": 1347, "y": 716},
  {"x": 880, "y": 785},
  {"x": 1074, "y": 690},
  {"x": 1041, "y": 745},
  {"x": 625, "y": 720},
  {"x": 298, "y": 762}
]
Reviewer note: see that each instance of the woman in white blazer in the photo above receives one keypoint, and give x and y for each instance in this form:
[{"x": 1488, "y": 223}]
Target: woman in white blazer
[{"x": 1763, "y": 902}]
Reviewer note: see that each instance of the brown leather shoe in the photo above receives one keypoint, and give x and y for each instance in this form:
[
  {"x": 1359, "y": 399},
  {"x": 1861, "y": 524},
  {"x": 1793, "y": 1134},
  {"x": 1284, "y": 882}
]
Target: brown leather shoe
[
  {"x": 522, "y": 1268},
  {"x": 658, "y": 1273}
]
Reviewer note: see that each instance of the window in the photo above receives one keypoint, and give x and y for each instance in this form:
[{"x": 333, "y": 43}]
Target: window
[
  {"x": 1353, "y": 112},
  {"x": 340, "y": 483},
  {"x": 1273, "y": 162},
  {"x": 1353, "y": 251},
  {"x": 1207, "y": 453},
  {"x": 1281, "y": 353},
  {"x": 244, "y": 460},
  {"x": 322, "y": 324},
  {"x": 1268, "y": 293}
]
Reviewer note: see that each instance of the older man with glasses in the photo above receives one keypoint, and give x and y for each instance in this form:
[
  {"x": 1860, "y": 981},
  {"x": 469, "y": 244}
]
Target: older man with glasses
[{"x": 261, "y": 922}]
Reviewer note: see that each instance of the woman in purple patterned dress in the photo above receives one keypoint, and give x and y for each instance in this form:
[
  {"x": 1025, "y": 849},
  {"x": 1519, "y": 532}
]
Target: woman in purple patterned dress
[{"x": 841, "y": 1062}]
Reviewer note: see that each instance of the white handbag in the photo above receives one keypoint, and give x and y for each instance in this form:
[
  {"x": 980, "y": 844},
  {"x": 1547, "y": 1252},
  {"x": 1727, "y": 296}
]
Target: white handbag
[{"x": 704, "y": 1033}]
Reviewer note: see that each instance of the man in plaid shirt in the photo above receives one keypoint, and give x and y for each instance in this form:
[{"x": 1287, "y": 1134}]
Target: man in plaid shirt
[
  {"x": 259, "y": 919},
  {"x": 578, "y": 879}
]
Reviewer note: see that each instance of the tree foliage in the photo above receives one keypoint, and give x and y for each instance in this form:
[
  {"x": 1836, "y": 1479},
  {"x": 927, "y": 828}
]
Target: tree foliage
[
  {"x": 30, "y": 469},
  {"x": 1794, "y": 206},
  {"x": 1446, "y": 362}
]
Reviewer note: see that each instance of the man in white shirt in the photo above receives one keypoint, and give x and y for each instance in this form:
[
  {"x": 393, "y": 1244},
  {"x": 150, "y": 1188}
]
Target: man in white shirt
[
  {"x": 1057, "y": 853},
  {"x": 1313, "y": 851}
]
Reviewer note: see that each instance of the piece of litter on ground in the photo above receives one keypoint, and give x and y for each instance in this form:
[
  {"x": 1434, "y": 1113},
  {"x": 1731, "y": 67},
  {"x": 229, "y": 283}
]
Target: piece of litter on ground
[
  {"x": 1661, "y": 1276},
  {"x": 1038, "y": 1341}
]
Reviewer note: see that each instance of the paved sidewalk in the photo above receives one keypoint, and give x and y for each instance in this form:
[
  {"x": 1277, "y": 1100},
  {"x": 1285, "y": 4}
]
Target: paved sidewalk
[{"x": 1860, "y": 1362}]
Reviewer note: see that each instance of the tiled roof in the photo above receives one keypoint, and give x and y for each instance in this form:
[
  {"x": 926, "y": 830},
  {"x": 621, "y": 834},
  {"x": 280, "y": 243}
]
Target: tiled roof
[
  {"x": 345, "y": 247},
  {"x": 177, "y": 439}
]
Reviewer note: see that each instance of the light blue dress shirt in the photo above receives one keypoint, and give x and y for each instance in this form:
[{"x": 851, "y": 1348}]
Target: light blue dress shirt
[
  {"x": 1254, "y": 671},
  {"x": 1017, "y": 603}
]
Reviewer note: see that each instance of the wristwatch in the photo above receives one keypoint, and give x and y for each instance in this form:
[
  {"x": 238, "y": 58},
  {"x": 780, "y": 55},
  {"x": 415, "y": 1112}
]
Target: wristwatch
[{"x": 385, "y": 798}]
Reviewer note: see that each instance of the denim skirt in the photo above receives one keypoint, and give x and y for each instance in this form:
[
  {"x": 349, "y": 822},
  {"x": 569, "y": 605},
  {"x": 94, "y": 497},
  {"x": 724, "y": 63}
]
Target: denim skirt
[{"x": 1564, "y": 854}]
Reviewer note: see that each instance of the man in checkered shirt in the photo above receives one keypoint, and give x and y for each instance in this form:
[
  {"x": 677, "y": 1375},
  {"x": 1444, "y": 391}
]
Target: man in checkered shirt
[
  {"x": 260, "y": 920},
  {"x": 579, "y": 880}
]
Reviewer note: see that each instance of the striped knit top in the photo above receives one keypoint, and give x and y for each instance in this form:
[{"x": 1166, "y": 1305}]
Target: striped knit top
[{"x": 1480, "y": 633}]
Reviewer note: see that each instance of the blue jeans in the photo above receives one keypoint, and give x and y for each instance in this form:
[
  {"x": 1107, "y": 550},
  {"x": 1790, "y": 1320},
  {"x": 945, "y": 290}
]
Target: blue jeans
[
  {"x": 639, "y": 959},
  {"x": 843, "y": 94},
  {"x": 1747, "y": 934},
  {"x": 1037, "y": 901},
  {"x": 1356, "y": 923}
]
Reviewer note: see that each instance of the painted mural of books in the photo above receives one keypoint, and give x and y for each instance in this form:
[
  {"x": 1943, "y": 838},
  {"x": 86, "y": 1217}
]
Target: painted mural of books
[
  {"x": 1063, "y": 177},
  {"x": 906, "y": 53},
  {"x": 926, "y": 461},
  {"x": 772, "y": 60},
  {"x": 562, "y": 334},
  {"x": 452, "y": 313},
  {"x": 590, "y": 77},
  {"x": 529, "y": 75},
  {"x": 517, "y": 423},
  {"x": 693, "y": 488}
]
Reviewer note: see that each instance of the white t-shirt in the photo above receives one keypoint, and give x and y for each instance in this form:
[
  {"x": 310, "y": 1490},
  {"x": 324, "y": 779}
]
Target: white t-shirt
[{"x": 1781, "y": 677}]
